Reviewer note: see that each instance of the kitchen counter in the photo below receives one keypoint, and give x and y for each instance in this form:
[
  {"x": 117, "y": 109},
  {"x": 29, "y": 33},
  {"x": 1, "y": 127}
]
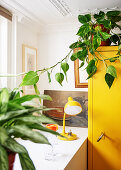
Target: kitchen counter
[{"x": 62, "y": 155}]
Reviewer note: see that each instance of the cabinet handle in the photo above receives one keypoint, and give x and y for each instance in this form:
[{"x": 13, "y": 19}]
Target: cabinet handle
[{"x": 102, "y": 134}]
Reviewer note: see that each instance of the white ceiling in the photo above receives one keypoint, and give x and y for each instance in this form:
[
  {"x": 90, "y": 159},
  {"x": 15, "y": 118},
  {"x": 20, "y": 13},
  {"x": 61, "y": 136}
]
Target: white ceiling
[{"x": 43, "y": 12}]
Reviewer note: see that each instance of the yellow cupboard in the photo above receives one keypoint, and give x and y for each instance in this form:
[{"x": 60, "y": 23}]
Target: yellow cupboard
[{"x": 104, "y": 117}]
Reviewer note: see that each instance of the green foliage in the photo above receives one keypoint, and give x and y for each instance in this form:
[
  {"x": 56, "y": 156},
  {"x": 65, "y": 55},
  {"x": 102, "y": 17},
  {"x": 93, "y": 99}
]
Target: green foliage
[
  {"x": 30, "y": 78},
  {"x": 112, "y": 71},
  {"x": 83, "y": 30},
  {"x": 74, "y": 57},
  {"x": 82, "y": 64},
  {"x": 91, "y": 68},
  {"x": 105, "y": 35},
  {"x": 93, "y": 30},
  {"x": 113, "y": 13},
  {"x": 65, "y": 67},
  {"x": 74, "y": 45},
  {"x": 30, "y": 97},
  {"x": 49, "y": 78},
  {"x": 81, "y": 54},
  {"x": 96, "y": 41},
  {"x": 4, "y": 97},
  {"x": 84, "y": 18},
  {"x": 109, "y": 79},
  {"x": 59, "y": 78},
  {"x": 3, "y": 158},
  {"x": 18, "y": 121},
  {"x": 26, "y": 162}
]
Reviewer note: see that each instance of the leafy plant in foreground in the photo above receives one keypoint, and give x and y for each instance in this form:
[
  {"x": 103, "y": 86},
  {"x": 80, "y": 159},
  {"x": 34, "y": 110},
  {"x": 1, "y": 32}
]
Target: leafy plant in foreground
[{"x": 18, "y": 121}]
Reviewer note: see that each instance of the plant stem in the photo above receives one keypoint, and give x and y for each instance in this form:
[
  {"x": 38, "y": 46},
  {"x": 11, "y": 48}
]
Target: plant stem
[
  {"x": 41, "y": 70},
  {"x": 55, "y": 64},
  {"x": 102, "y": 59},
  {"x": 12, "y": 75}
]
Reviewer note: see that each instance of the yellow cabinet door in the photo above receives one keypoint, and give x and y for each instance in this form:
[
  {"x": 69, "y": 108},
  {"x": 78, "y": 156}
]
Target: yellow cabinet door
[{"x": 105, "y": 117}]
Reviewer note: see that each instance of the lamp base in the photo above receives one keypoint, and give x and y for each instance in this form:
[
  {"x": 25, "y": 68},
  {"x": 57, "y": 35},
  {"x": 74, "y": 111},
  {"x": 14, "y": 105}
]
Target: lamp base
[{"x": 68, "y": 137}]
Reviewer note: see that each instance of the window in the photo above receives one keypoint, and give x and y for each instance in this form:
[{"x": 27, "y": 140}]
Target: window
[{"x": 5, "y": 49}]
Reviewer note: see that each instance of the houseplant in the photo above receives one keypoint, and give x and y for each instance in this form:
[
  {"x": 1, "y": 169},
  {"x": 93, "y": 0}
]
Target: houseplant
[
  {"x": 17, "y": 121},
  {"x": 95, "y": 30},
  {"x": 98, "y": 30}
]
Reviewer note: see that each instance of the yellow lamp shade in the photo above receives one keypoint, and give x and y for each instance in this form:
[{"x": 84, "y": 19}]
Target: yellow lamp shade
[{"x": 72, "y": 107}]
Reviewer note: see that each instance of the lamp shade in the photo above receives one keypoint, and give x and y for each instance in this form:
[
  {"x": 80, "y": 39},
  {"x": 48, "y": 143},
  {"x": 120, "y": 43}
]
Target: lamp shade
[{"x": 72, "y": 107}]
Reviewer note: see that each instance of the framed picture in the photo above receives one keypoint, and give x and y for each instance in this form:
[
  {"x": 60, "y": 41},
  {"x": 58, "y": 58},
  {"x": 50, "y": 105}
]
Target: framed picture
[
  {"x": 80, "y": 74},
  {"x": 29, "y": 63}
]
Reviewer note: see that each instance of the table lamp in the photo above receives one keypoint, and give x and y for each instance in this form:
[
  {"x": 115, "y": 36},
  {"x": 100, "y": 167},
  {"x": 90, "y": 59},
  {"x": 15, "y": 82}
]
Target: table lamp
[{"x": 71, "y": 108}]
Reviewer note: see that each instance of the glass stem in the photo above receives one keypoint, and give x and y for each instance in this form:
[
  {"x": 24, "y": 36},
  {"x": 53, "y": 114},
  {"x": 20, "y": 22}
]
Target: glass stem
[{"x": 64, "y": 123}]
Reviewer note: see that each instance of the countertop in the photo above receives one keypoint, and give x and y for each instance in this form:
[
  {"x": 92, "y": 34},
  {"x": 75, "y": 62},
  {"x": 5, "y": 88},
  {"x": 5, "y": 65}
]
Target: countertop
[{"x": 57, "y": 156}]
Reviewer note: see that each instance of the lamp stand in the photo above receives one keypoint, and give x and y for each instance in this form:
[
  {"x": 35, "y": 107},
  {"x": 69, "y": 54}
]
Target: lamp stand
[{"x": 66, "y": 136}]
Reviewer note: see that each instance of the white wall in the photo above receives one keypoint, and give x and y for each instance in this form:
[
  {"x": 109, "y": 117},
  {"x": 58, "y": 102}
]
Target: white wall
[
  {"x": 54, "y": 46},
  {"x": 27, "y": 37}
]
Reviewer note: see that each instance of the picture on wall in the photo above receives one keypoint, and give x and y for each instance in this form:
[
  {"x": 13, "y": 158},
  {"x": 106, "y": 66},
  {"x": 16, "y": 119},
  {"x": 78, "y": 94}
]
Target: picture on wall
[
  {"x": 60, "y": 98},
  {"x": 29, "y": 63}
]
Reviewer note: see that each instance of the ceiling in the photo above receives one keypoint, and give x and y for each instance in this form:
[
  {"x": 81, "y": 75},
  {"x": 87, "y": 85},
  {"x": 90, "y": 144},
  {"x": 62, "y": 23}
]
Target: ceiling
[{"x": 44, "y": 12}]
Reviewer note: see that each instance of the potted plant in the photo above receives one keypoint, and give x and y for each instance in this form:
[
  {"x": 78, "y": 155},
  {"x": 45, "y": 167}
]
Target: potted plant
[
  {"x": 95, "y": 30},
  {"x": 17, "y": 121},
  {"x": 98, "y": 30}
]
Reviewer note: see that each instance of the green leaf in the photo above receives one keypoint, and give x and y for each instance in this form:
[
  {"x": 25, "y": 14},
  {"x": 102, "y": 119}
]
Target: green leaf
[
  {"x": 12, "y": 95},
  {"x": 116, "y": 19},
  {"x": 26, "y": 161},
  {"x": 34, "y": 119},
  {"x": 112, "y": 59},
  {"x": 3, "y": 159},
  {"x": 113, "y": 13},
  {"x": 49, "y": 78},
  {"x": 3, "y": 135},
  {"x": 36, "y": 89},
  {"x": 28, "y": 134},
  {"x": 9, "y": 143},
  {"x": 26, "y": 98},
  {"x": 4, "y": 98},
  {"x": 74, "y": 45},
  {"x": 88, "y": 16},
  {"x": 81, "y": 54},
  {"x": 96, "y": 41},
  {"x": 91, "y": 68},
  {"x": 16, "y": 113},
  {"x": 30, "y": 78},
  {"x": 59, "y": 78},
  {"x": 111, "y": 70},
  {"x": 14, "y": 146},
  {"x": 14, "y": 106},
  {"x": 101, "y": 15},
  {"x": 65, "y": 67},
  {"x": 106, "y": 23},
  {"x": 42, "y": 128},
  {"x": 109, "y": 79},
  {"x": 83, "y": 30},
  {"x": 84, "y": 18},
  {"x": 105, "y": 35},
  {"x": 74, "y": 56},
  {"x": 81, "y": 65}
]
